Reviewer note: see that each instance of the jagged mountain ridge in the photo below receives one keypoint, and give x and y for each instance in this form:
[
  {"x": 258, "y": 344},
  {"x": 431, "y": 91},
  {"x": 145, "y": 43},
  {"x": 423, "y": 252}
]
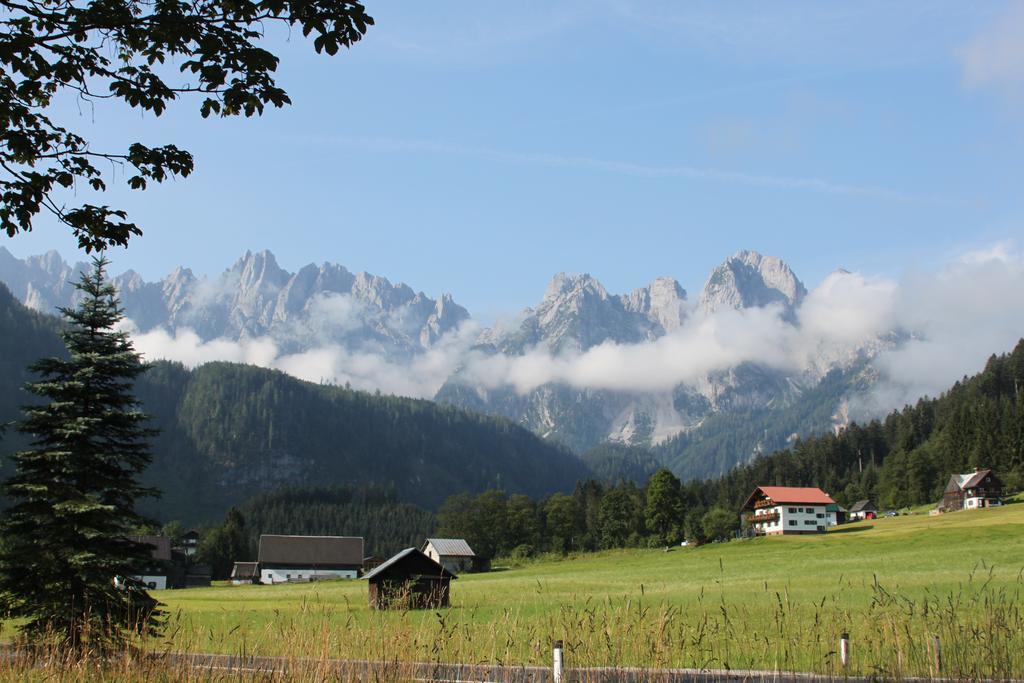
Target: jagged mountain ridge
[
  {"x": 255, "y": 297},
  {"x": 577, "y": 313},
  {"x": 229, "y": 431},
  {"x": 328, "y": 305}
]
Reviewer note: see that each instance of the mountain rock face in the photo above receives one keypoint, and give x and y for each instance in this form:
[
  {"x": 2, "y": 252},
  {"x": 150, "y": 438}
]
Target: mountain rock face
[
  {"x": 748, "y": 280},
  {"x": 690, "y": 425},
  {"x": 577, "y": 314},
  {"x": 256, "y": 298}
]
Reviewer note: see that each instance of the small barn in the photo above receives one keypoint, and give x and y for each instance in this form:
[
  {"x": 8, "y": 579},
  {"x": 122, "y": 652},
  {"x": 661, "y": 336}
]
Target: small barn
[
  {"x": 971, "y": 491},
  {"x": 245, "y": 572},
  {"x": 409, "y": 580},
  {"x": 284, "y": 559},
  {"x": 454, "y": 553},
  {"x": 863, "y": 509}
]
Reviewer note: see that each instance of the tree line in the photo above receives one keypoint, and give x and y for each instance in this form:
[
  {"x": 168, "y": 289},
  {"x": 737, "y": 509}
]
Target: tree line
[
  {"x": 903, "y": 460},
  {"x": 372, "y": 512}
]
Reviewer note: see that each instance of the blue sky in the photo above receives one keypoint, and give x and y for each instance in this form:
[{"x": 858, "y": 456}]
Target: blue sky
[{"x": 478, "y": 147}]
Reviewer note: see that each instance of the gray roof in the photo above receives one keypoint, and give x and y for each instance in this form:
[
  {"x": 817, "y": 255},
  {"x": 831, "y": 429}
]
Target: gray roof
[
  {"x": 311, "y": 550},
  {"x": 861, "y": 505},
  {"x": 450, "y": 547},
  {"x": 972, "y": 479}
]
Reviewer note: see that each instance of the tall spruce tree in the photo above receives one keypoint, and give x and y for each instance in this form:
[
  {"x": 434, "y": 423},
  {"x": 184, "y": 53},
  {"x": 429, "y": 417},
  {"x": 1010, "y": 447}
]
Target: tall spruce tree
[{"x": 65, "y": 538}]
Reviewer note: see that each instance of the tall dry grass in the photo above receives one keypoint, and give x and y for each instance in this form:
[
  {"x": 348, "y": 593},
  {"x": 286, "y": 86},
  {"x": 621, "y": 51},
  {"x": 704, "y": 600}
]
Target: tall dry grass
[{"x": 980, "y": 629}]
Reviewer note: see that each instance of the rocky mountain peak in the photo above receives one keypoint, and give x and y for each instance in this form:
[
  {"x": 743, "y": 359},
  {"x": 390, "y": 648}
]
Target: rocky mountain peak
[
  {"x": 574, "y": 286},
  {"x": 255, "y": 297},
  {"x": 748, "y": 279},
  {"x": 662, "y": 302}
]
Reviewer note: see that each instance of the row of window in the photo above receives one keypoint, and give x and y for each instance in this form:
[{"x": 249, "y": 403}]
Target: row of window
[{"x": 807, "y": 510}]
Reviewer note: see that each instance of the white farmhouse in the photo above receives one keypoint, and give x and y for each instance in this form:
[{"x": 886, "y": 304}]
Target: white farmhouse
[
  {"x": 773, "y": 510},
  {"x": 454, "y": 554},
  {"x": 284, "y": 559}
]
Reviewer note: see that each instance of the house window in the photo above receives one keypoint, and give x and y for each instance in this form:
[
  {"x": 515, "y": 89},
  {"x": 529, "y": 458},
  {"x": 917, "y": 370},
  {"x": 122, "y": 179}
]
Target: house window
[
  {"x": 792, "y": 509},
  {"x": 820, "y": 515},
  {"x": 792, "y": 522},
  {"x": 287, "y": 576},
  {"x": 810, "y": 522}
]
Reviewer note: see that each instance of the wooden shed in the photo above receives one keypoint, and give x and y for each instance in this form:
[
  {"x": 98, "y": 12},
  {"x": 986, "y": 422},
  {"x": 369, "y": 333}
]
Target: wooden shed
[{"x": 409, "y": 580}]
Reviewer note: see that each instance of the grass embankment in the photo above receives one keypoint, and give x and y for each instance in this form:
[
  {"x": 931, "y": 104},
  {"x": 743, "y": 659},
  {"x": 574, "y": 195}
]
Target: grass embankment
[{"x": 769, "y": 603}]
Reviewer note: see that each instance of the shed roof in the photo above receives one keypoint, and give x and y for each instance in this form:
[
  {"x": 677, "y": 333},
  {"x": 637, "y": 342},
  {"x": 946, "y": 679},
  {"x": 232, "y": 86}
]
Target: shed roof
[
  {"x": 406, "y": 555},
  {"x": 311, "y": 550},
  {"x": 450, "y": 547},
  {"x": 791, "y": 494},
  {"x": 862, "y": 506},
  {"x": 245, "y": 570}
]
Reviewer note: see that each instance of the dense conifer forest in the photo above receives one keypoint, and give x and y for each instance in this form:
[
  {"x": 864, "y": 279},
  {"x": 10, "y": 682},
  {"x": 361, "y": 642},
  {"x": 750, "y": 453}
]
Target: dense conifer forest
[
  {"x": 903, "y": 460},
  {"x": 229, "y": 432}
]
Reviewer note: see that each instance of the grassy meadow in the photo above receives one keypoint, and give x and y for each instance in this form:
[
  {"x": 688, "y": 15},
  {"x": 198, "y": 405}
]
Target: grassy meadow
[{"x": 768, "y": 603}]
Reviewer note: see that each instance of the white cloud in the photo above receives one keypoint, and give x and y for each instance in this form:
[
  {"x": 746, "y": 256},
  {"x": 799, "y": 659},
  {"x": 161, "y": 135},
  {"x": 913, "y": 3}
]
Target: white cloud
[
  {"x": 995, "y": 56},
  {"x": 952, "y": 319}
]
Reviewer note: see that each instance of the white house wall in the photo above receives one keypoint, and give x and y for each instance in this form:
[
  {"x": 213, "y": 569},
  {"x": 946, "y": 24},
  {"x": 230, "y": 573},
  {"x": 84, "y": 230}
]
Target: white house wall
[
  {"x": 153, "y": 582},
  {"x": 303, "y": 574},
  {"x": 798, "y": 518}
]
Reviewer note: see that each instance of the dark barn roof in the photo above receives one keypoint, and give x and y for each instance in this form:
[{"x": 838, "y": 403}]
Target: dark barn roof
[
  {"x": 410, "y": 563},
  {"x": 863, "y": 506},
  {"x": 161, "y": 545},
  {"x": 311, "y": 550}
]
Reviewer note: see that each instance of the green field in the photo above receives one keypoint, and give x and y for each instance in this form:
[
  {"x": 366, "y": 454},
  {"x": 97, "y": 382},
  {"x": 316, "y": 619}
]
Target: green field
[{"x": 781, "y": 602}]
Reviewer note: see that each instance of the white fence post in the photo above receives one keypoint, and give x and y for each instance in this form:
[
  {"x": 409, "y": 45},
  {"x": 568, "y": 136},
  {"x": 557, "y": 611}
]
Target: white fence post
[
  {"x": 844, "y": 649},
  {"x": 557, "y": 670},
  {"x": 937, "y": 655}
]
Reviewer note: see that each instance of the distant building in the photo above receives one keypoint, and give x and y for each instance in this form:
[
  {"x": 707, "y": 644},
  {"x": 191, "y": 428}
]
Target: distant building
[
  {"x": 190, "y": 542},
  {"x": 835, "y": 514},
  {"x": 410, "y": 580},
  {"x": 971, "y": 491},
  {"x": 371, "y": 562},
  {"x": 157, "y": 570},
  {"x": 285, "y": 559},
  {"x": 774, "y": 510},
  {"x": 245, "y": 572},
  {"x": 453, "y": 553},
  {"x": 863, "y": 509}
]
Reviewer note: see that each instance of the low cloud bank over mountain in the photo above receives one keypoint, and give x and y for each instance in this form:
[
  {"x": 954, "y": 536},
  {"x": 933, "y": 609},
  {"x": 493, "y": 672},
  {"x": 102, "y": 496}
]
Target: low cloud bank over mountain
[{"x": 917, "y": 334}]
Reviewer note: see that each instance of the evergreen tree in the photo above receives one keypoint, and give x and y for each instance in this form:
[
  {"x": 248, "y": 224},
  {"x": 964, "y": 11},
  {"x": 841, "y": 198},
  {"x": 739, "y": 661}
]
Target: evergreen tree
[
  {"x": 226, "y": 544},
  {"x": 64, "y": 539}
]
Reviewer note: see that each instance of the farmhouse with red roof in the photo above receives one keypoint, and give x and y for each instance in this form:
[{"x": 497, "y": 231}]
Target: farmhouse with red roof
[{"x": 772, "y": 510}]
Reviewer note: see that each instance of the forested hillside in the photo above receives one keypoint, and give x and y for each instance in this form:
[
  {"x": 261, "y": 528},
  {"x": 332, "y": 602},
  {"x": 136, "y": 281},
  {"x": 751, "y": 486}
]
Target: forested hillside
[
  {"x": 725, "y": 439},
  {"x": 904, "y": 460},
  {"x": 231, "y": 431},
  {"x": 907, "y": 458}
]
